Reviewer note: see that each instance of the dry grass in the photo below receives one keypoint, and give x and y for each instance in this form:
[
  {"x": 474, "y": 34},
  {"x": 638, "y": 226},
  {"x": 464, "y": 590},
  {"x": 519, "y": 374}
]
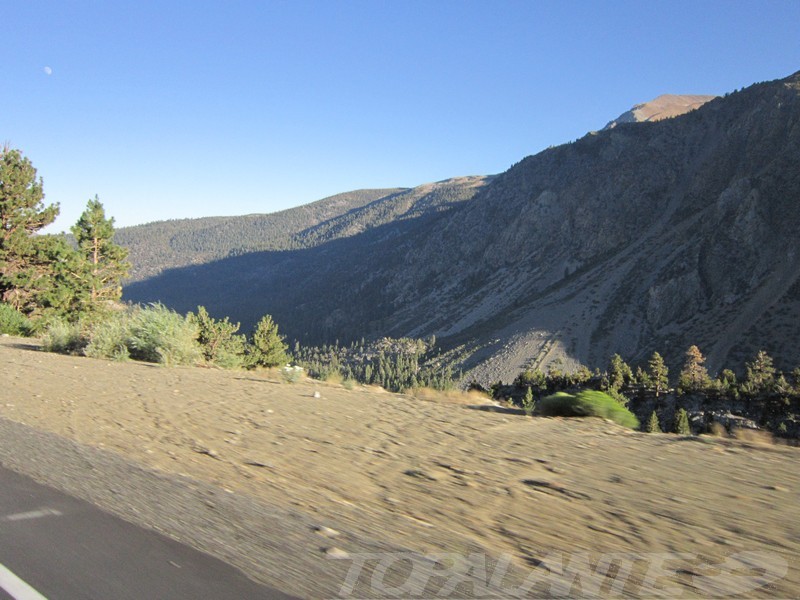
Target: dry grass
[
  {"x": 753, "y": 436},
  {"x": 449, "y": 396},
  {"x": 718, "y": 430},
  {"x": 333, "y": 378}
]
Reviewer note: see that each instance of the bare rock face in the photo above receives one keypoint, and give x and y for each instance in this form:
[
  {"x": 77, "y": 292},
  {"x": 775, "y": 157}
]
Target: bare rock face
[{"x": 665, "y": 106}]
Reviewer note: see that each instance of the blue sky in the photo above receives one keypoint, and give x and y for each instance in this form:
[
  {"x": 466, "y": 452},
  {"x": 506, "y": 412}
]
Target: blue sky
[{"x": 185, "y": 109}]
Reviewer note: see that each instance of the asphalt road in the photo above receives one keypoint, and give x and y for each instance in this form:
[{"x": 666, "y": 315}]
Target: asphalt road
[{"x": 58, "y": 547}]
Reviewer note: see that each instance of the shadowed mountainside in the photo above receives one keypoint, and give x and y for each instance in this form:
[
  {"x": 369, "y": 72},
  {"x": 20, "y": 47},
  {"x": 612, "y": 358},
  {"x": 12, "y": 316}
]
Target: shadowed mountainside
[
  {"x": 162, "y": 245},
  {"x": 648, "y": 236}
]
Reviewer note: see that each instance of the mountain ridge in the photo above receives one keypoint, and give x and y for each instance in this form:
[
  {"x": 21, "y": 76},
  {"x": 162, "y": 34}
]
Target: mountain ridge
[
  {"x": 160, "y": 245},
  {"x": 665, "y": 106},
  {"x": 647, "y": 236}
]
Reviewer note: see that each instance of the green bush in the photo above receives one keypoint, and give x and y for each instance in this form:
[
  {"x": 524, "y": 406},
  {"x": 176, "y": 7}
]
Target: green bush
[
  {"x": 587, "y": 403},
  {"x": 63, "y": 338},
  {"x": 14, "y": 322},
  {"x": 291, "y": 374},
  {"x": 151, "y": 334},
  {"x": 161, "y": 335},
  {"x": 110, "y": 337}
]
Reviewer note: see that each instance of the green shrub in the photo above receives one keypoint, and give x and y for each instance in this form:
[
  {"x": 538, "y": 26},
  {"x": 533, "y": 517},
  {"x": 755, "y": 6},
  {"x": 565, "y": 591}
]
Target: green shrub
[
  {"x": 110, "y": 337},
  {"x": 63, "y": 337},
  {"x": 587, "y": 403},
  {"x": 151, "y": 334},
  {"x": 291, "y": 374},
  {"x": 14, "y": 322},
  {"x": 161, "y": 335}
]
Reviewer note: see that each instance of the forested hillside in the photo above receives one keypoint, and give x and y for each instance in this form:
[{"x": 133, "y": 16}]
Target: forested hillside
[
  {"x": 155, "y": 247},
  {"x": 167, "y": 244}
]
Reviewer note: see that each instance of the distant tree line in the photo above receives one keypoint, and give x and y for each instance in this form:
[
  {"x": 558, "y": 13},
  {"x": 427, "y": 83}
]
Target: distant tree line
[
  {"x": 396, "y": 365},
  {"x": 158, "y": 246},
  {"x": 764, "y": 394}
]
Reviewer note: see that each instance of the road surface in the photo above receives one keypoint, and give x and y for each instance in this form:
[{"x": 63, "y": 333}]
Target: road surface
[{"x": 58, "y": 547}]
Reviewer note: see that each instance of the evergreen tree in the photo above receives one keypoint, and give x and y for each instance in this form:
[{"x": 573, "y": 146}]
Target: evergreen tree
[
  {"x": 528, "y": 403},
  {"x": 267, "y": 348},
  {"x": 760, "y": 376},
  {"x": 619, "y": 373},
  {"x": 218, "y": 339},
  {"x": 61, "y": 289},
  {"x": 652, "y": 424},
  {"x": 796, "y": 381},
  {"x": 24, "y": 264},
  {"x": 659, "y": 381},
  {"x": 582, "y": 375},
  {"x": 694, "y": 376},
  {"x": 105, "y": 263},
  {"x": 642, "y": 378},
  {"x": 726, "y": 382},
  {"x": 682, "y": 423}
]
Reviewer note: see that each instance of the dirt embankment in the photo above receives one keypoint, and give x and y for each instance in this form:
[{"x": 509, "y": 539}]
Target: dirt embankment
[{"x": 280, "y": 482}]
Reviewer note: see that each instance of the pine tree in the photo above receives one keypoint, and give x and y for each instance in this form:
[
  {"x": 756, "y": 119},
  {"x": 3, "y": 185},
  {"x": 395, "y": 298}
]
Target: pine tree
[
  {"x": 58, "y": 291},
  {"x": 528, "y": 404},
  {"x": 652, "y": 424},
  {"x": 619, "y": 373},
  {"x": 694, "y": 376},
  {"x": 24, "y": 256},
  {"x": 682, "y": 423},
  {"x": 658, "y": 374},
  {"x": 642, "y": 378},
  {"x": 267, "y": 348},
  {"x": 105, "y": 263},
  {"x": 760, "y": 376},
  {"x": 218, "y": 339}
]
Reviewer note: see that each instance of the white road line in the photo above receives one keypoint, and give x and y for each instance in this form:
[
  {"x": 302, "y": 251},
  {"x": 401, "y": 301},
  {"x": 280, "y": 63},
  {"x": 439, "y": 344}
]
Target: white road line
[
  {"x": 34, "y": 514},
  {"x": 16, "y": 588}
]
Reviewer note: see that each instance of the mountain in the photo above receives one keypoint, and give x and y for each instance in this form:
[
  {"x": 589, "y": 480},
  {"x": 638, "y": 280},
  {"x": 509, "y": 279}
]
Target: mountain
[
  {"x": 665, "y": 106},
  {"x": 157, "y": 246},
  {"x": 207, "y": 262},
  {"x": 647, "y": 236}
]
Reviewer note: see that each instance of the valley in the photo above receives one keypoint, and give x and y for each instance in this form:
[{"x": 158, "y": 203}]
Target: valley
[{"x": 651, "y": 235}]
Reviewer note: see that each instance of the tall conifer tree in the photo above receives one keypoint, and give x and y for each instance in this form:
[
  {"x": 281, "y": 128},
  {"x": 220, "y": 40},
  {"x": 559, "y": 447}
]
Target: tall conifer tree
[
  {"x": 104, "y": 262},
  {"x": 24, "y": 256}
]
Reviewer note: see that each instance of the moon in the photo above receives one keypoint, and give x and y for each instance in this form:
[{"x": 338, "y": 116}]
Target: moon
[{"x": 48, "y": 71}]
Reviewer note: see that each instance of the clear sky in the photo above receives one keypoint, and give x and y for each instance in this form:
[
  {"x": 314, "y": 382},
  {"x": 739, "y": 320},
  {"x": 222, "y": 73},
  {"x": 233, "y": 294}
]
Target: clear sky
[{"x": 193, "y": 108}]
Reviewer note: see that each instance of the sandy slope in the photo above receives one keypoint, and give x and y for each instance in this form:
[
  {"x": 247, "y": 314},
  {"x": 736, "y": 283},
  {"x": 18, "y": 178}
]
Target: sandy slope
[{"x": 428, "y": 476}]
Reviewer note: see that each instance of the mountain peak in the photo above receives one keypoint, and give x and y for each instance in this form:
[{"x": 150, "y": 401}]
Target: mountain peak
[{"x": 665, "y": 106}]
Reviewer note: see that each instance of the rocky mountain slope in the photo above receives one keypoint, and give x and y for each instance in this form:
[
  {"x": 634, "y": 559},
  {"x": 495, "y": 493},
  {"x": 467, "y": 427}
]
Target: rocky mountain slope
[
  {"x": 647, "y": 236},
  {"x": 665, "y": 106}
]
